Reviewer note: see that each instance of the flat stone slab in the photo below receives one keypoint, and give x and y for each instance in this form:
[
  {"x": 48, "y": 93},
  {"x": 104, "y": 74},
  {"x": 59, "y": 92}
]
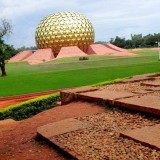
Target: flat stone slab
[
  {"x": 142, "y": 91},
  {"x": 152, "y": 84},
  {"x": 144, "y": 103},
  {"x": 148, "y": 136},
  {"x": 57, "y": 128},
  {"x": 52, "y": 130},
  {"x": 81, "y": 89},
  {"x": 153, "y": 89},
  {"x": 104, "y": 95},
  {"x": 69, "y": 95},
  {"x": 138, "y": 78}
]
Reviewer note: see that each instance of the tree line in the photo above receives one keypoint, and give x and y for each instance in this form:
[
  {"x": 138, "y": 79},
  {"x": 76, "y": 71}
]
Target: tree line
[{"x": 137, "y": 41}]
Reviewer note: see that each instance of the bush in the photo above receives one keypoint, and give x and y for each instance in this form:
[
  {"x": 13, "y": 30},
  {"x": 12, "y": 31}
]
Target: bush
[
  {"x": 109, "y": 82},
  {"x": 29, "y": 108},
  {"x": 83, "y": 58}
]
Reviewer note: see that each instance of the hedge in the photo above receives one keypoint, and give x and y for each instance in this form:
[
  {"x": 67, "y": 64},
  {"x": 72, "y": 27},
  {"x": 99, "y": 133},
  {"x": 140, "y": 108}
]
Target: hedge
[
  {"x": 109, "y": 82},
  {"x": 29, "y": 108}
]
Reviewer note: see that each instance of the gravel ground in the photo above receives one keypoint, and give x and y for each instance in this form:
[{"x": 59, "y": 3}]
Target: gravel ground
[
  {"x": 128, "y": 87},
  {"x": 102, "y": 141},
  {"x": 17, "y": 141},
  {"x": 131, "y": 87}
]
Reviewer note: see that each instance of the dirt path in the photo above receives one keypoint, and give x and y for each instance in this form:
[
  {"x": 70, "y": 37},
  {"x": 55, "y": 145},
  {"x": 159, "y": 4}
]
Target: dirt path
[
  {"x": 11, "y": 100},
  {"x": 18, "y": 139}
]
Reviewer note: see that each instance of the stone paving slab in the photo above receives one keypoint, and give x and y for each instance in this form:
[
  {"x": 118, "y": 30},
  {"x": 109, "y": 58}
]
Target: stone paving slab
[
  {"x": 144, "y": 103},
  {"x": 142, "y": 91},
  {"x": 69, "y": 95},
  {"x": 104, "y": 95},
  {"x": 149, "y": 135},
  {"x": 152, "y": 84},
  {"x": 153, "y": 89},
  {"x": 81, "y": 89},
  {"x": 153, "y": 75},
  {"x": 138, "y": 79},
  {"x": 57, "y": 128}
]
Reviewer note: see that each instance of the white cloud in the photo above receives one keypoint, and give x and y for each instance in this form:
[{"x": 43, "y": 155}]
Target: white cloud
[{"x": 109, "y": 18}]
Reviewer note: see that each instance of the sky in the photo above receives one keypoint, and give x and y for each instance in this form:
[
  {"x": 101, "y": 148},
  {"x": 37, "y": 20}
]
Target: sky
[{"x": 110, "y": 18}]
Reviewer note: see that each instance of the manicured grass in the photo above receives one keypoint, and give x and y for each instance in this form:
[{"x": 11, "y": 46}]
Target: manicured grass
[
  {"x": 76, "y": 59},
  {"x": 24, "y": 78},
  {"x": 146, "y": 52}
]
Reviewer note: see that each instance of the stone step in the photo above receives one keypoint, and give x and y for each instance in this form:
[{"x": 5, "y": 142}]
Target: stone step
[
  {"x": 52, "y": 130},
  {"x": 144, "y": 103},
  {"x": 148, "y": 136},
  {"x": 152, "y": 84},
  {"x": 104, "y": 95}
]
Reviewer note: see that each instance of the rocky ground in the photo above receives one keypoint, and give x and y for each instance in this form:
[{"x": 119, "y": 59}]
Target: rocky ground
[
  {"x": 18, "y": 140},
  {"x": 102, "y": 141}
]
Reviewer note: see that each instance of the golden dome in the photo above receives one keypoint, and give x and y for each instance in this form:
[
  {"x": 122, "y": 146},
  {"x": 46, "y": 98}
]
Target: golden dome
[{"x": 64, "y": 29}]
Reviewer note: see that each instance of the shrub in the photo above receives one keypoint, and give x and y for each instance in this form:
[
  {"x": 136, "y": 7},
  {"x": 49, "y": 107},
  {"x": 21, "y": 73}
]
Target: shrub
[
  {"x": 109, "y": 82},
  {"x": 29, "y": 108},
  {"x": 83, "y": 58}
]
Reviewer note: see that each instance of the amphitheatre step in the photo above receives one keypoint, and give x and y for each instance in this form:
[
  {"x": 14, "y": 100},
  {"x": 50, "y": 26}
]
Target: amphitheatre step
[
  {"x": 153, "y": 89},
  {"x": 142, "y": 91},
  {"x": 104, "y": 95},
  {"x": 152, "y": 84},
  {"x": 69, "y": 95},
  {"x": 148, "y": 136},
  {"x": 138, "y": 79},
  {"x": 144, "y": 103},
  {"x": 51, "y": 130}
]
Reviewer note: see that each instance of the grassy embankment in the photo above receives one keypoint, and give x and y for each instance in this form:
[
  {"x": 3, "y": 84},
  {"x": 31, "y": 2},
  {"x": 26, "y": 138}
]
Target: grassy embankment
[{"x": 24, "y": 78}]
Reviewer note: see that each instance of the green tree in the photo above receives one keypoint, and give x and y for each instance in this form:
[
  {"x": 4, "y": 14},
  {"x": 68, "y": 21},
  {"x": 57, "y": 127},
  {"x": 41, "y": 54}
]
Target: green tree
[
  {"x": 5, "y": 30},
  {"x": 136, "y": 40}
]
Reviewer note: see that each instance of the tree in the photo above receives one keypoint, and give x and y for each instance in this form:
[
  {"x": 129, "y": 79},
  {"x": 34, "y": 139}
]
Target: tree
[
  {"x": 136, "y": 40},
  {"x": 5, "y": 30},
  {"x": 3, "y": 57}
]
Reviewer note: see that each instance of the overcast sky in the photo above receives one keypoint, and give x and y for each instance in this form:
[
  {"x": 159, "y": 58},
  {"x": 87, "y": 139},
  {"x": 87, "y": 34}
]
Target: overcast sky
[{"x": 110, "y": 18}]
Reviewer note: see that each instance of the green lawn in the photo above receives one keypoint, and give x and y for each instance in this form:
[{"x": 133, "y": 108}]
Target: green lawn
[{"x": 24, "y": 78}]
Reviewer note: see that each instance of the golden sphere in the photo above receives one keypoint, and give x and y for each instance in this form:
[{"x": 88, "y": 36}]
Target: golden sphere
[{"x": 64, "y": 29}]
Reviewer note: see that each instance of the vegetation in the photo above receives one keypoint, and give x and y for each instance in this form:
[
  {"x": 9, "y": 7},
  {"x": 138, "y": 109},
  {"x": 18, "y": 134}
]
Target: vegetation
[
  {"x": 83, "y": 58},
  {"x": 137, "y": 41},
  {"x": 5, "y": 50},
  {"x": 29, "y": 108},
  {"x": 25, "y": 78}
]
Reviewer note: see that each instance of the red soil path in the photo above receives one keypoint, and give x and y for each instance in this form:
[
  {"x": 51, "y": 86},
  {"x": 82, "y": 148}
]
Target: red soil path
[
  {"x": 11, "y": 100},
  {"x": 18, "y": 139}
]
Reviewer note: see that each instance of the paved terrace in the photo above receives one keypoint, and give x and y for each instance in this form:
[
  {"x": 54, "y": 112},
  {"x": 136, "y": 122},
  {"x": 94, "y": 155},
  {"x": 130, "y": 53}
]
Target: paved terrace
[{"x": 115, "y": 134}]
